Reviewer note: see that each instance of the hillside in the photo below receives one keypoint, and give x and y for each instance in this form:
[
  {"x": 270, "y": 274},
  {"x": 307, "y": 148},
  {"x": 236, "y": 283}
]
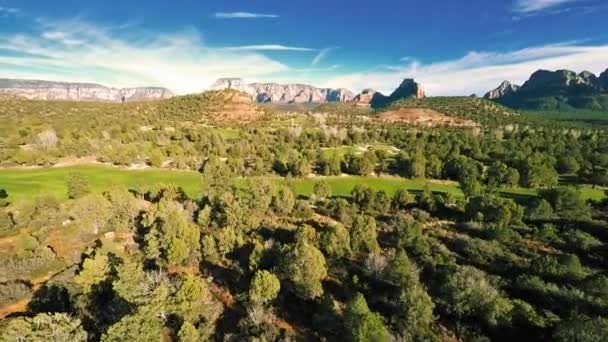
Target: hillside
[{"x": 478, "y": 110}]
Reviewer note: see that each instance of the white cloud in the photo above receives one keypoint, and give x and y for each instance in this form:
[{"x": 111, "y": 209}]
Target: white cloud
[
  {"x": 529, "y": 6},
  {"x": 75, "y": 50},
  {"x": 243, "y": 15},
  {"x": 478, "y": 72},
  {"x": 319, "y": 57},
  {"x": 9, "y": 10},
  {"x": 269, "y": 47}
]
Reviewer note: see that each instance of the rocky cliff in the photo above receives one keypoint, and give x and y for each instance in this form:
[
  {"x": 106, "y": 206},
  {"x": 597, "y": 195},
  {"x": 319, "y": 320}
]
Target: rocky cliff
[
  {"x": 409, "y": 88},
  {"x": 366, "y": 96},
  {"x": 504, "y": 89},
  {"x": 284, "y": 93},
  {"x": 555, "y": 89},
  {"x": 47, "y": 90}
]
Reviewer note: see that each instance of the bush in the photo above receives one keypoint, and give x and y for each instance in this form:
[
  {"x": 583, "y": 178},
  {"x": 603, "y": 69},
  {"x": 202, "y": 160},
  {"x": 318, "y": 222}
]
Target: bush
[
  {"x": 12, "y": 292},
  {"x": 77, "y": 185},
  {"x": 264, "y": 287}
]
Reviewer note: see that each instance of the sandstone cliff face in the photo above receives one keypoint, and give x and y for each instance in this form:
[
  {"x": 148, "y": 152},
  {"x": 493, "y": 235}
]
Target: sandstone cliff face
[
  {"x": 504, "y": 89},
  {"x": 366, "y": 96},
  {"x": 284, "y": 93},
  {"x": 47, "y": 90}
]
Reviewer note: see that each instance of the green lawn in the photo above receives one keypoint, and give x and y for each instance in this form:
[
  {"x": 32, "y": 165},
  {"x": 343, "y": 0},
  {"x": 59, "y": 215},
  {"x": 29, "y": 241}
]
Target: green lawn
[{"x": 23, "y": 184}]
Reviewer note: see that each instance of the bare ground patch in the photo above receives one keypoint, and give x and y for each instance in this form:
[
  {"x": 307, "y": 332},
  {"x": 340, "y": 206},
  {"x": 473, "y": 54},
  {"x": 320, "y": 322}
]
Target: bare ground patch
[{"x": 423, "y": 117}]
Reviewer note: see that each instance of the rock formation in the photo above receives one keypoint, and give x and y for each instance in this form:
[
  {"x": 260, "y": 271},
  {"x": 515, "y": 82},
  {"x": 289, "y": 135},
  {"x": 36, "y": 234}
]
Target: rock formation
[
  {"x": 504, "y": 89},
  {"x": 366, "y": 96},
  {"x": 603, "y": 80},
  {"x": 47, "y": 90},
  {"x": 284, "y": 93},
  {"x": 555, "y": 89},
  {"x": 409, "y": 88}
]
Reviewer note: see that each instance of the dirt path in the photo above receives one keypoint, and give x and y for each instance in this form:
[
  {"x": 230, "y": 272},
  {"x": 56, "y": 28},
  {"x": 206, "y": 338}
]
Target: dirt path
[{"x": 21, "y": 306}]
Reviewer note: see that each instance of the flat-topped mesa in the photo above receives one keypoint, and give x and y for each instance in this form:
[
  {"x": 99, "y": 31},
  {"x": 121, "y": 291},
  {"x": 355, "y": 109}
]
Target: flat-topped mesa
[
  {"x": 504, "y": 89},
  {"x": 284, "y": 93},
  {"x": 67, "y": 91}
]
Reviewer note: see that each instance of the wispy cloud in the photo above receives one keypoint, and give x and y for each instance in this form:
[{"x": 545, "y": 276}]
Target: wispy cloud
[
  {"x": 478, "y": 72},
  {"x": 9, "y": 10},
  {"x": 320, "y": 56},
  {"x": 243, "y": 15},
  {"x": 268, "y": 47},
  {"x": 530, "y": 6},
  {"x": 76, "y": 50}
]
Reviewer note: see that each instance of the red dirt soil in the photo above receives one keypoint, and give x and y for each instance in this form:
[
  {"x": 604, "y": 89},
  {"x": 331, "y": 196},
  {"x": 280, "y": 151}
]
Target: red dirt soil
[{"x": 423, "y": 117}]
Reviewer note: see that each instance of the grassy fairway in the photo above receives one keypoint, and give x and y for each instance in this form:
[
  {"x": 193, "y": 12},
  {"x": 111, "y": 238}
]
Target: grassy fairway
[
  {"x": 342, "y": 186},
  {"x": 24, "y": 184}
]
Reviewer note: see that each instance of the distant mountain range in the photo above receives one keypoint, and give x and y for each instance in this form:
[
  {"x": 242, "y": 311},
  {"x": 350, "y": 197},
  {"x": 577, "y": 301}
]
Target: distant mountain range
[
  {"x": 555, "y": 90},
  {"x": 47, "y": 90},
  {"x": 302, "y": 93},
  {"x": 544, "y": 90},
  {"x": 284, "y": 93}
]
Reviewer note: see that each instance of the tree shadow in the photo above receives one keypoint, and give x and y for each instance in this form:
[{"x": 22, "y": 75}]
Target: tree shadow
[{"x": 51, "y": 298}]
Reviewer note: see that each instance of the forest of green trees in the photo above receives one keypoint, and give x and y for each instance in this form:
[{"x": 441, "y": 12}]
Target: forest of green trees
[{"x": 251, "y": 260}]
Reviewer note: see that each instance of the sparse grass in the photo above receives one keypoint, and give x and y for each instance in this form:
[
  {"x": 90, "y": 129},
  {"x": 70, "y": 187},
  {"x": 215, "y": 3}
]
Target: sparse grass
[{"x": 24, "y": 184}]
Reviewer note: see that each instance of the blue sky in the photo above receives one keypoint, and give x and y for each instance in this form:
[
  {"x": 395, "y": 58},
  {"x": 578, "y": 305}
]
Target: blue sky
[{"x": 451, "y": 47}]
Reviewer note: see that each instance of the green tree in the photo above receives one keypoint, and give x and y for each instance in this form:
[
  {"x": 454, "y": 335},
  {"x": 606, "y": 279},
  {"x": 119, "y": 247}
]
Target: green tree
[
  {"x": 399, "y": 269},
  {"x": 330, "y": 165},
  {"x": 156, "y": 158},
  {"x": 3, "y": 198},
  {"x": 284, "y": 201},
  {"x": 172, "y": 237},
  {"x": 501, "y": 175},
  {"x": 92, "y": 212},
  {"x": 402, "y": 199},
  {"x": 95, "y": 270},
  {"x": 77, "y": 185},
  {"x": 581, "y": 328},
  {"x": 321, "y": 190},
  {"x": 129, "y": 281},
  {"x": 264, "y": 287},
  {"x": 363, "y": 235},
  {"x": 362, "y": 165},
  {"x": 335, "y": 241},
  {"x": 469, "y": 293},
  {"x": 363, "y": 325},
  {"x": 124, "y": 209},
  {"x": 567, "y": 203},
  {"x": 364, "y": 197},
  {"x": 567, "y": 165},
  {"x": 536, "y": 172},
  {"x": 416, "y": 166},
  {"x": 540, "y": 210},
  {"x": 188, "y": 333},
  {"x": 494, "y": 209},
  {"x": 414, "y": 317},
  {"x": 44, "y": 327},
  {"x": 305, "y": 267}
]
